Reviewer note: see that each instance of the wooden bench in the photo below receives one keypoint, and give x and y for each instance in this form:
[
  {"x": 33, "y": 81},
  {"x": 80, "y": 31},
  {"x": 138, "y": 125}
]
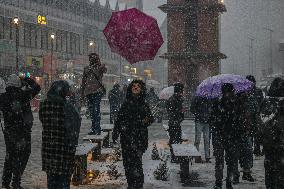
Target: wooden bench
[
  {"x": 185, "y": 152},
  {"x": 100, "y": 139},
  {"x": 108, "y": 128},
  {"x": 81, "y": 155}
]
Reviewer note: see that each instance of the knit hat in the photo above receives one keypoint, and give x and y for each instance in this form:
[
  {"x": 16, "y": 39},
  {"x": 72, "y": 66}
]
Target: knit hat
[
  {"x": 14, "y": 81},
  {"x": 2, "y": 86}
]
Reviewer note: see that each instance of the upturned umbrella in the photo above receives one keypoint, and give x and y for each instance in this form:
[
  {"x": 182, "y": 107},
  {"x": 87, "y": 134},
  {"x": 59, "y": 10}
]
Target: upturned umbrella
[
  {"x": 211, "y": 87},
  {"x": 166, "y": 93},
  {"x": 133, "y": 35}
]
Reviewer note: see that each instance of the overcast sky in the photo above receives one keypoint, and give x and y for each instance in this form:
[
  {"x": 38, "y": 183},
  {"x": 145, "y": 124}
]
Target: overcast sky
[{"x": 150, "y": 7}]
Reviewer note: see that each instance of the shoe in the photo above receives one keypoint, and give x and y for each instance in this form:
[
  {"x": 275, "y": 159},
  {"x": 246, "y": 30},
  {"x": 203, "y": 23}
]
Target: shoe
[
  {"x": 236, "y": 180},
  {"x": 198, "y": 160},
  {"x": 207, "y": 160},
  {"x": 217, "y": 187},
  {"x": 229, "y": 185},
  {"x": 174, "y": 160},
  {"x": 248, "y": 177},
  {"x": 5, "y": 187}
]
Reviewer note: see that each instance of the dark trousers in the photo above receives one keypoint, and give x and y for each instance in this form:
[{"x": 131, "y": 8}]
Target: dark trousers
[
  {"x": 274, "y": 174},
  {"x": 175, "y": 136},
  {"x": 231, "y": 151},
  {"x": 55, "y": 181},
  {"x": 246, "y": 153},
  {"x": 132, "y": 162},
  {"x": 94, "y": 105},
  {"x": 18, "y": 150},
  {"x": 113, "y": 113}
]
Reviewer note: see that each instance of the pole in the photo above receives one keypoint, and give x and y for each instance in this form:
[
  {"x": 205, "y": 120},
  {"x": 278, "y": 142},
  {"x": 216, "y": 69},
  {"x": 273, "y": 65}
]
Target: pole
[
  {"x": 251, "y": 55},
  {"x": 17, "y": 48},
  {"x": 270, "y": 67},
  {"x": 120, "y": 68},
  {"x": 51, "y": 62}
]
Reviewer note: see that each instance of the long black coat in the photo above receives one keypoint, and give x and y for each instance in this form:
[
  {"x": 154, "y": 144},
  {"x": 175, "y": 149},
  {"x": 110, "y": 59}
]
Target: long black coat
[
  {"x": 130, "y": 126},
  {"x": 225, "y": 121},
  {"x": 174, "y": 108}
]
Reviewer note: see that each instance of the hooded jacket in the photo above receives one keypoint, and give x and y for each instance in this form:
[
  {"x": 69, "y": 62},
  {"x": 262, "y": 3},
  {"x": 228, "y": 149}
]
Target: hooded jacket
[
  {"x": 61, "y": 125},
  {"x": 130, "y": 123}
]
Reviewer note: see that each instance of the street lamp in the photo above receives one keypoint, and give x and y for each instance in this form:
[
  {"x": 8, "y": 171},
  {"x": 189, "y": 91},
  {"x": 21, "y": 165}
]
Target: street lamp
[
  {"x": 16, "y": 23},
  {"x": 92, "y": 45},
  {"x": 52, "y": 37}
]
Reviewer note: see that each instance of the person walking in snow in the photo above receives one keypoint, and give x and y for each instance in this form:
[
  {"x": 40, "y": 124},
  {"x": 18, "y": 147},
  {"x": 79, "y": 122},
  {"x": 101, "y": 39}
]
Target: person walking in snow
[
  {"x": 226, "y": 134},
  {"x": 176, "y": 116},
  {"x": 114, "y": 97},
  {"x": 15, "y": 105},
  {"x": 93, "y": 90},
  {"x": 271, "y": 135},
  {"x": 201, "y": 109},
  {"x": 61, "y": 126},
  {"x": 255, "y": 98},
  {"x": 131, "y": 125}
]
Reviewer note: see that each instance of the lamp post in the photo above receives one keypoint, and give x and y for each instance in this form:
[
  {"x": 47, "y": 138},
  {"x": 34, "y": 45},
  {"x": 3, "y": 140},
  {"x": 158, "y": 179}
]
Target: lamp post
[
  {"x": 16, "y": 22},
  {"x": 52, "y": 37},
  {"x": 92, "y": 45},
  {"x": 270, "y": 67}
]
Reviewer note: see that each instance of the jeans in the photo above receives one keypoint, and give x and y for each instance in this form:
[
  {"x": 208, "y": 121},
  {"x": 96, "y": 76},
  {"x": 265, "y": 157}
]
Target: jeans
[
  {"x": 94, "y": 105},
  {"x": 202, "y": 128},
  {"x": 55, "y": 181},
  {"x": 113, "y": 113},
  {"x": 175, "y": 135},
  {"x": 18, "y": 150},
  {"x": 246, "y": 153}
]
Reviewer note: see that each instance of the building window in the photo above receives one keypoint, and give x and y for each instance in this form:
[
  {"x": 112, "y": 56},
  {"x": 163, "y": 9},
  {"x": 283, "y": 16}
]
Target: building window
[
  {"x": 27, "y": 35},
  {"x": 33, "y": 36},
  {"x": 2, "y": 25}
]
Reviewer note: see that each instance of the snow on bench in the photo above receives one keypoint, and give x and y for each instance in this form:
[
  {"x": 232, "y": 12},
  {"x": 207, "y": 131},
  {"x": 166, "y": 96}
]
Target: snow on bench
[
  {"x": 100, "y": 139},
  {"x": 81, "y": 156},
  {"x": 184, "y": 152}
]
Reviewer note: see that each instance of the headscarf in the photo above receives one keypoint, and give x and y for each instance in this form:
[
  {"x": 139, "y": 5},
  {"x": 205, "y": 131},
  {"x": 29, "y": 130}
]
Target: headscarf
[{"x": 142, "y": 95}]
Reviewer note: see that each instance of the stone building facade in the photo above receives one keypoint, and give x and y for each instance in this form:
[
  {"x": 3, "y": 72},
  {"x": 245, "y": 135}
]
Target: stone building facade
[
  {"x": 75, "y": 23},
  {"x": 193, "y": 41}
]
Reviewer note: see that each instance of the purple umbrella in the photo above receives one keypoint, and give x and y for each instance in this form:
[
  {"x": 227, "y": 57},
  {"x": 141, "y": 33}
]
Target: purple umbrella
[{"x": 211, "y": 87}]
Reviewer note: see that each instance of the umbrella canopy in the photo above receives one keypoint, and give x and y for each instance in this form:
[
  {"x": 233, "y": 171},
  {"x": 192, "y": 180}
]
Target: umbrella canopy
[
  {"x": 211, "y": 87},
  {"x": 166, "y": 93},
  {"x": 133, "y": 35}
]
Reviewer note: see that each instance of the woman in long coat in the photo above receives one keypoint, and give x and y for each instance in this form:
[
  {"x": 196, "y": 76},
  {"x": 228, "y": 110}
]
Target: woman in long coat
[
  {"x": 133, "y": 119},
  {"x": 61, "y": 125}
]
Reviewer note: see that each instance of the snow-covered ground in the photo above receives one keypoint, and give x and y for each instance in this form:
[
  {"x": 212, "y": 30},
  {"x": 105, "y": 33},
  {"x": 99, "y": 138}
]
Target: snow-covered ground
[{"x": 34, "y": 178}]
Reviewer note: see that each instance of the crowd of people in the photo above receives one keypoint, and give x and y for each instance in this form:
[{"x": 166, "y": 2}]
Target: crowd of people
[{"x": 234, "y": 123}]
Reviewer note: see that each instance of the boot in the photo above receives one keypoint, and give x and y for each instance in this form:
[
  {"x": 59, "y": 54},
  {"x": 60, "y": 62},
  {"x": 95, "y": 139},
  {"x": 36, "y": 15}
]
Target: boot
[
  {"x": 236, "y": 180},
  {"x": 217, "y": 187},
  {"x": 198, "y": 160},
  {"x": 247, "y": 176},
  {"x": 229, "y": 185}
]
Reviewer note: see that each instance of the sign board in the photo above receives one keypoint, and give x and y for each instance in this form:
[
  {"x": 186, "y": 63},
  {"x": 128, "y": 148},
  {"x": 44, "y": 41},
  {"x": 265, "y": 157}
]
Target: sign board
[
  {"x": 41, "y": 20},
  {"x": 34, "y": 61},
  {"x": 7, "y": 46}
]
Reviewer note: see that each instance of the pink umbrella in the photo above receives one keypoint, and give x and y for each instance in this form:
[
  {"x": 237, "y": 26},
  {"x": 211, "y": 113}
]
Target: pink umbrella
[{"x": 133, "y": 35}]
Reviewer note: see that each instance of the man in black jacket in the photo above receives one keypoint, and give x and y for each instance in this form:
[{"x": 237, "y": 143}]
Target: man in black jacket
[
  {"x": 17, "y": 132},
  {"x": 226, "y": 134},
  {"x": 176, "y": 116}
]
